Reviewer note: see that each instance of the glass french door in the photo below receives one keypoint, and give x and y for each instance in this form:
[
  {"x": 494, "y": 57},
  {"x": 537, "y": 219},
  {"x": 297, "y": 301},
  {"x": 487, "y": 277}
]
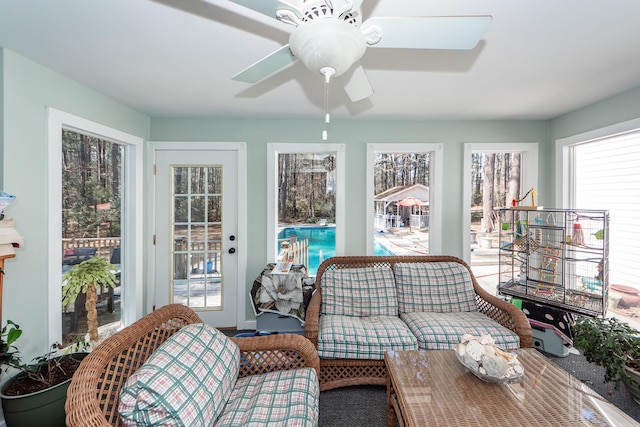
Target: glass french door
[{"x": 196, "y": 220}]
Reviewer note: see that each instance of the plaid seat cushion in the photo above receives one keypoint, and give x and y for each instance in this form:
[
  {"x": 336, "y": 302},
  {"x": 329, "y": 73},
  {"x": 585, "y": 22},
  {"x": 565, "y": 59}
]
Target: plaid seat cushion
[
  {"x": 186, "y": 381},
  {"x": 367, "y": 291},
  {"x": 364, "y": 338},
  {"x": 441, "y": 287},
  {"x": 281, "y": 398},
  {"x": 441, "y": 331}
]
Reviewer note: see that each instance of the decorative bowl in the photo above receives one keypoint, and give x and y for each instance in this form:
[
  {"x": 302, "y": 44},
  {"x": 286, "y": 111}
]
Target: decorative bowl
[{"x": 514, "y": 375}]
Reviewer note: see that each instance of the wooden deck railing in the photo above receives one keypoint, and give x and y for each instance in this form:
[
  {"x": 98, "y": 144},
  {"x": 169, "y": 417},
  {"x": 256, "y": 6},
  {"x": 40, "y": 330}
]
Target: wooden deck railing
[
  {"x": 104, "y": 245},
  {"x": 294, "y": 250}
]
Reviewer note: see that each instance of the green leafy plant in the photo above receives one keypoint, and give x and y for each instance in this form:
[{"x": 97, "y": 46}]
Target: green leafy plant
[
  {"x": 609, "y": 343},
  {"x": 9, "y": 354},
  {"x": 87, "y": 277},
  {"x": 43, "y": 371}
]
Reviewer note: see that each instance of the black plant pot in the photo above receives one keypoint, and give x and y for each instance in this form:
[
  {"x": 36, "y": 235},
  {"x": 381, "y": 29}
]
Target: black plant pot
[{"x": 43, "y": 408}]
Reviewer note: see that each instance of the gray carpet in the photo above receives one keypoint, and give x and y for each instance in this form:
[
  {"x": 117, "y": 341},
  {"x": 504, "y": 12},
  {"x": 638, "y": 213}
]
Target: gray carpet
[{"x": 366, "y": 405}]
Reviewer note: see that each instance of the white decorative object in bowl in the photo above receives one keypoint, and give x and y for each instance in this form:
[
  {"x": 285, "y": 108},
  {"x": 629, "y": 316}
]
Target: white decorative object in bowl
[{"x": 486, "y": 361}]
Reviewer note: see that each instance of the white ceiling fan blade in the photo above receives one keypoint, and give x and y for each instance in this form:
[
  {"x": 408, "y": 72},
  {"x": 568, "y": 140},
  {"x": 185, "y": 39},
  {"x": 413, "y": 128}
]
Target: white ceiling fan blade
[
  {"x": 357, "y": 84},
  {"x": 266, "y": 7},
  {"x": 429, "y": 32},
  {"x": 266, "y": 66}
]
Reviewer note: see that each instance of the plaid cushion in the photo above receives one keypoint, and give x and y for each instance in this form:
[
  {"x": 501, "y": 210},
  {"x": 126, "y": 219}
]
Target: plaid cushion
[
  {"x": 441, "y": 287},
  {"x": 281, "y": 398},
  {"x": 365, "y": 338},
  {"x": 367, "y": 291},
  {"x": 186, "y": 381},
  {"x": 441, "y": 331}
]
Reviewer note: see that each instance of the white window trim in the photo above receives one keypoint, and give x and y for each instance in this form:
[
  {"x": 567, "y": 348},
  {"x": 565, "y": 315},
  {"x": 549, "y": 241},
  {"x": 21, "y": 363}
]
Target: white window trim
[
  {"x": 564, "y": 157},
  {"x": 435, "y": 188},
  {"x": 528, "y": 175},
  {"x": 132, "y": 298},
  {"x": 273, "y": 150},
  {"x": 241, "y": 148}
]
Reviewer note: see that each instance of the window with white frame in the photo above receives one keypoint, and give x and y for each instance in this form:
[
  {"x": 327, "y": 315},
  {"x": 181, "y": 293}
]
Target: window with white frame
[
  {"x": 95, "y": 206},
  {"x": 305, "y": 215},
  {"x": 498, "y": 163},
  {"x": 603, "y": 172},
  {"x": 404, "y": 199}
]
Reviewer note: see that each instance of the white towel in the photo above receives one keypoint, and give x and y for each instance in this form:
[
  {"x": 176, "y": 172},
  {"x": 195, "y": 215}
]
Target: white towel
[{"x": 9, "y": 234}]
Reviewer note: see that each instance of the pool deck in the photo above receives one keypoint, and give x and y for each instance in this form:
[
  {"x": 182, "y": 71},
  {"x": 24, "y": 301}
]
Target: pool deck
[{"x": 404, "y": 242}]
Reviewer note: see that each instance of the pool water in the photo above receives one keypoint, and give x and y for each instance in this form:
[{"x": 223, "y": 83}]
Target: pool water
[{"x": 322, "y": 244}]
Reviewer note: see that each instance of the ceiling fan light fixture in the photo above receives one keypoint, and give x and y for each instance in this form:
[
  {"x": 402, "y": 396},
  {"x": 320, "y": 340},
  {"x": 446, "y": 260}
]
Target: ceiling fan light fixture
[{"x": 327, "y": 43}]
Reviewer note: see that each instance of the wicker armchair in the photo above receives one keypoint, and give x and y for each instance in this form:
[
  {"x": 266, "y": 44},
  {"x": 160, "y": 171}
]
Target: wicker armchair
[
  {"x": 92, "y": 397},
  {"x": 346, "y": 372}
]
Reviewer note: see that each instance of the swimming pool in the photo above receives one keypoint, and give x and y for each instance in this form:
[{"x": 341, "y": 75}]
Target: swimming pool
[{"x": 322, "y": 244}]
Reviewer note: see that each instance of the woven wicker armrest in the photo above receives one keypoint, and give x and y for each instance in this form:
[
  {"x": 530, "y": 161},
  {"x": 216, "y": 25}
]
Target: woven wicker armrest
[
  {"x": 277, "y": 352},
  {"x": 312, "y": 317},
  {"x": 505, "y": 313}
]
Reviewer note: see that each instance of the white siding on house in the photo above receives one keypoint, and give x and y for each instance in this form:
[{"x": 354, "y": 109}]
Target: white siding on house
[{"x": 607, "y": 176}]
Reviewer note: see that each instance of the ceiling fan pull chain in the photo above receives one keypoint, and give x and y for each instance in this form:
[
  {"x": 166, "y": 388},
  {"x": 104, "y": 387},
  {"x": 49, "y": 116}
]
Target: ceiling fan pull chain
[
  {"x": 326, "y": 109},
  {"x": 327, "y": 72}
]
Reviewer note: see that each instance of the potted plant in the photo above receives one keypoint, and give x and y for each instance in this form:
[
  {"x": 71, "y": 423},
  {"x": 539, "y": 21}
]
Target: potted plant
[
  {"x": 36, "y": 395},
  {"x": 9, "y": 334},
  {"x": 87, "y": 277},
  {"x": 614, "y": 345}
]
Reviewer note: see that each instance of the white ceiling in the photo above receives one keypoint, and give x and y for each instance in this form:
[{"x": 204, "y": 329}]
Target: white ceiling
[{"x": 174, "y": 58}]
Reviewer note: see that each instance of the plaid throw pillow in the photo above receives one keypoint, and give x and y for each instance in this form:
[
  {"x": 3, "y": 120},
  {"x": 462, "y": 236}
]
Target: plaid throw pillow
[
  {"x": 440, "y": 287},
  {"x": 186, "y": 381},
  {"x": 369, "y": 291}
]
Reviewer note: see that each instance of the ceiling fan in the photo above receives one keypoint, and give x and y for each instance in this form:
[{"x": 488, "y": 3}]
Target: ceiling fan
[{"x": 330, "y": 38}]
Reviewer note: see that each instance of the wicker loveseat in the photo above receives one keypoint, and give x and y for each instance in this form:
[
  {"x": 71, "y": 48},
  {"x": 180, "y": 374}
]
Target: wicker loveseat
[
  {"x": 289, "y": 362},
  {"x": 366, "y": 305}
]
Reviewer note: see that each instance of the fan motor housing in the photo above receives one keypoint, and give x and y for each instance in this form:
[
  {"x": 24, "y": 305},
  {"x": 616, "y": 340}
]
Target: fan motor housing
[{"x": 327, "y": 43}]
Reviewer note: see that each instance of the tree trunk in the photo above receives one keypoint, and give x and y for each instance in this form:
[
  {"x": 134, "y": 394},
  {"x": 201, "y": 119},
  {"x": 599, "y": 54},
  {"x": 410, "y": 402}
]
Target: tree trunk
[
  {"x": 487, "y": 194},
  {"x": 284, "y": 186},
  {"x": 513, "y": 183},
  {"x": 92, "y": 313}
]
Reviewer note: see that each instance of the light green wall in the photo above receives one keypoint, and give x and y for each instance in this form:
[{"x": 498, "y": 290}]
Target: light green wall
[
  {"x": 29, "y": 89},
  {"x": 355, "y": 134},
  {"x": 613, "y": 110}
]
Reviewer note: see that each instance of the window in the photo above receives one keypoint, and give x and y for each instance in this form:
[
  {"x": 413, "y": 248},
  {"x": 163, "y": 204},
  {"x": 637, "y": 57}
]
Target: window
[
  {"x": 95, "y": 176},
  {"x": 197, "y": 236},
  {"x": 602, "y": 172},
  {"x": 501, "y": 171},
  {"x": 91, "y": 222},
  {"x": 404, "y": 194},
  {"x": 305, "y": 220}
]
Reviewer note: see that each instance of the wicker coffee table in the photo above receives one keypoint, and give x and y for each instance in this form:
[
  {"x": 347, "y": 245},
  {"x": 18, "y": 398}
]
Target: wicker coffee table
[{"x": 431, "y": 388}]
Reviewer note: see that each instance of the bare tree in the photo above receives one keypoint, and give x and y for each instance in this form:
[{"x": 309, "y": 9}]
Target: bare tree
[
  {"x": 487, "y": 193},
  {"x": 284, "y": 184},
  {"x": 513, "y": 183}
]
